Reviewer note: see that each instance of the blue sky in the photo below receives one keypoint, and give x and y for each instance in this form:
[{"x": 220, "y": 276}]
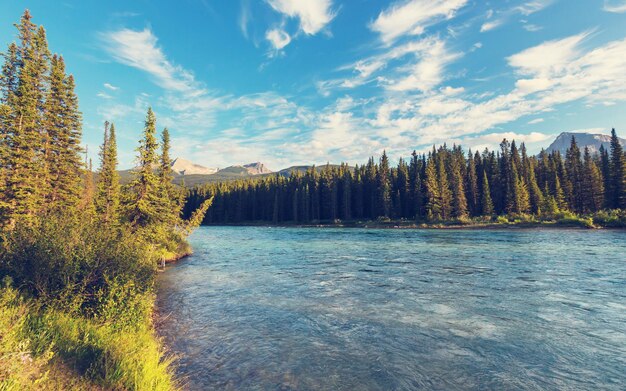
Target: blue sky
[{"x": 309, "y": 81}]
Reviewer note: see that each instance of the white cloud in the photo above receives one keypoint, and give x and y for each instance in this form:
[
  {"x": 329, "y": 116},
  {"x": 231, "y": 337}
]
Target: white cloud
[
  {"x": 139, "y": 49},
  {"x": 244, "y": 17},
  {"x": 428, "y": 72},
  {"x": 549, "y": 58},
  {"x": 535, "y": 121},
  {"x": 615, "y": 6},
  {"x": 488, "y": 26},
  {"x": 532, "y": 28},
  {"x": 413, "y": 17},
  {"x": 278, "y": 38},
  {"x": 531, "y": 7},
  {"x": 104, "y": 95},
  {"x": 314, "y": 15},
  {"x": 111, "y": 87}
]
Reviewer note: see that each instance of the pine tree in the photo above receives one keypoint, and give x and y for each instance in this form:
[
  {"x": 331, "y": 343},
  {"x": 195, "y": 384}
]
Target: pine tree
[
  {"x": 433, "y": 195},
  {"x": 486, "y": 202},
  {"x": 534, "y": 193},
  {"x": 592, "y": 186},
  {"x": 383, "y": 187},
  {"x": 574, "y": 167},
  {"x": 143, "y": 199},
  {"x": 459, "y": 202},
  {"x": 62, "y": 122},
  {"x": 549, "y": 205},
  {"x": 605, "y": 168},
  {"x": 169, "y": 205},
  {"x": 445, "y": 193},
  {"x": 618, "y": 173},
  {"x": 471, "y": 186},
  {"x": 24, "y": 181},
  {"x": 108, "y": 190}
]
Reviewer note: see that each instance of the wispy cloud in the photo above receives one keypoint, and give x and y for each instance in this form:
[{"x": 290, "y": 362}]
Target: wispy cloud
[
  {"x": 488, "y": 26},
  {"x": 615, "y": 6},
  {"x": 413, "y": 17},
  {"x": 139, "y": 49},
  {"x": 245, "y": 16},
  {"x": 535, "y": 121},
  {"x": 111, "y": 87},
  {"x": 314, "y": 15},
  {"x": 278, "y": 38},
  {"x": 531, "y": 7}
]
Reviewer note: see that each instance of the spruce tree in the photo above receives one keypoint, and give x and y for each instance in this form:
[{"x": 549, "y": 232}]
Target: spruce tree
[
  {"x": 108, "y": 190},
  {"x": 605, "y": 168},
  {"x": 574, "y": 168},
  {"x": 143, "y": 199},
  {"x": 62, "y": 122},
  {"x": 25, "y": 180},
  {"x": 618, "y": 173},
  {"x": 592, "y": 186},
  {"x": 459, "y": 202},
  {"x": 383, "y": 187},
  {"x": 471, "y": 186},
  {"x": 433, "y": 195},
  {"x": 486, "y": 202}
]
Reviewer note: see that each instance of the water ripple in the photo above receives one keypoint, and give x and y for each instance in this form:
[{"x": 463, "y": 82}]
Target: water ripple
[{"x": 332, "y": 309}]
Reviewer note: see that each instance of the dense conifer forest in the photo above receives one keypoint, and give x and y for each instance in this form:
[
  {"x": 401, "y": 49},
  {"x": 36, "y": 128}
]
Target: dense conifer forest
[
  {"x": 78, "y": 258},
  {"x": 445, "y": 185}
]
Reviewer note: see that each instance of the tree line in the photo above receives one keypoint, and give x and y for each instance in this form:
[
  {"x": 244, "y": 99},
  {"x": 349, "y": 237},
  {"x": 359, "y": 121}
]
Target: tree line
[{"x": 446, "y": 184}]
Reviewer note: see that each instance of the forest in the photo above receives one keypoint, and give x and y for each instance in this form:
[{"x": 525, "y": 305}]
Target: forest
[
  {"x": 78, "y": 257},
  {"x": 444, "y": 186}
]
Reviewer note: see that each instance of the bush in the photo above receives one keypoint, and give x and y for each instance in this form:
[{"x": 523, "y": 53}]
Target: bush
[
  {"x": 615, "y": 218},
  {"x": 568, "y": 218},
  {"x": 74, "y": 264}
]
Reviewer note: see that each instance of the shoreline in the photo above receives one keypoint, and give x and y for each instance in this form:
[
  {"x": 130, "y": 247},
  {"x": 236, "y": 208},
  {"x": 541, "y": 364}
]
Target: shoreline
[{"x": 424, "y": 226}]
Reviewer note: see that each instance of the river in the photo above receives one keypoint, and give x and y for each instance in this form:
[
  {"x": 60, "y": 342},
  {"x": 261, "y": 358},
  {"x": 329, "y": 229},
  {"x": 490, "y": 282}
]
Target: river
[{"x": 258, "y": 308}]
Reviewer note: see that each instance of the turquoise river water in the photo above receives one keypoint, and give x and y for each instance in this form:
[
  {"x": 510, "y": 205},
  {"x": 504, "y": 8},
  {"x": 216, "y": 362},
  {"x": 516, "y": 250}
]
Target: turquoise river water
[{"x": 258, "y": 308}]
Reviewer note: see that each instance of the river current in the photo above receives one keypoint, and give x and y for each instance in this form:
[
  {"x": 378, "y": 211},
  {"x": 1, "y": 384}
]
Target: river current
[{"x": 259, "y": 308}]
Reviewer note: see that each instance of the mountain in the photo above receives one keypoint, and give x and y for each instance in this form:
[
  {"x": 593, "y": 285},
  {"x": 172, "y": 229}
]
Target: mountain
[
  {"x": 593, "y": 141},
  {"x": 257, "y": 168},
  {"x": 185, "y": 167}
]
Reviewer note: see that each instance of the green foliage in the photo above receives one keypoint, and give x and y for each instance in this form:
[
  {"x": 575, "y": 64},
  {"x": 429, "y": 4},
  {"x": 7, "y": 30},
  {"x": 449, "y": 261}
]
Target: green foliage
[
  {"x": 107, "y": 199},
  {"x": 615, "y": 218},
  {"x": 71, "y": 261},
  {"x": 48, "y": 349}
]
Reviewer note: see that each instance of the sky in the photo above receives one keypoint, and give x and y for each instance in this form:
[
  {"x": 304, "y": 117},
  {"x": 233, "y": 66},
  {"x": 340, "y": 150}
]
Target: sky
[{"x": 288, "y": 82}]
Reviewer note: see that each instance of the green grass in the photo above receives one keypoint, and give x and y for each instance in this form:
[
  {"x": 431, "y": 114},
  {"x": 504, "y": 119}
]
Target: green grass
[{"x": 48, "y": 349}]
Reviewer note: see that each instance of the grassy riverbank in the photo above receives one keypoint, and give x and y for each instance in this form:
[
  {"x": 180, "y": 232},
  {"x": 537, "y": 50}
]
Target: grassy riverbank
[
  {"x": 51, "y": 349},
  {"x": 602, "y": 219},
  {"x": 77, "y": 307}
]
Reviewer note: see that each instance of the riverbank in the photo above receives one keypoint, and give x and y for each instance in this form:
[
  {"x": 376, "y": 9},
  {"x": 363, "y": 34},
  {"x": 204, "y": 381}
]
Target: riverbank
[{"x": 600, "y": 220}]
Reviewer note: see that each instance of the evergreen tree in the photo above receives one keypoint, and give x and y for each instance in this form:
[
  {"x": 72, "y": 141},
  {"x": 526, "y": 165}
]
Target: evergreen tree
[
  {"x": 459, "y": 202},
  {"x": 574, "y": 168},
  {"x": 486, "y": 202},
  {"x": 143, "y": 199},
  {"x": 62, "y": 122},
  {"x": 383, "y": 187},
  {"x": 471, "y": 186},
  {"x": 27, "y": 174},
  {"x": 433, "y": 195},
  {"x": 618, "y": 173},
  {"x": 592, "y": 187},
  {"x": 605, "y": 168},
  {"x": 108, "y": 190}
]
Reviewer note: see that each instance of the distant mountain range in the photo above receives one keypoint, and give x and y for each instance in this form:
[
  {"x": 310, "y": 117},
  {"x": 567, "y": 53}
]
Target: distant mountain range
[
  {"x": 194, "y": 174},
  {"x": 592, "y": 141}
]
